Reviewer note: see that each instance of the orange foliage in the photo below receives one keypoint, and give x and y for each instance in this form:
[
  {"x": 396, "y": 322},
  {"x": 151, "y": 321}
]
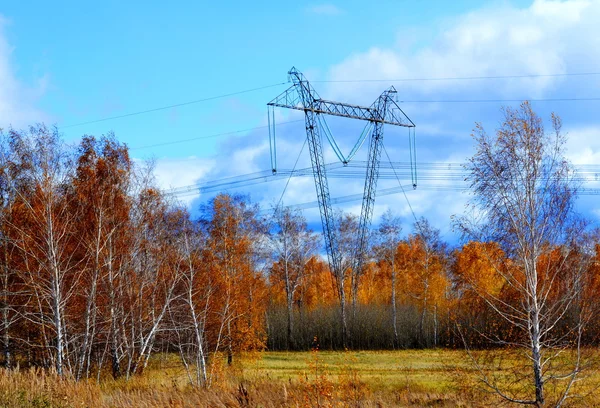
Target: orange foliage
[
  {"x": 239, "y": 291},
  {"x": 319, "y": 287},
  {"x": 477, "y": 268},
  {"x": 423, "y": 278},
  {"x": 375, "y": 287}
]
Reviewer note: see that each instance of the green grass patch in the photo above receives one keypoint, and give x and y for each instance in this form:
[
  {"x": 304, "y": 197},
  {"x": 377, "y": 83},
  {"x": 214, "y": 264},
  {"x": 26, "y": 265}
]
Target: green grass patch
[{"x": 432, "y": 370}]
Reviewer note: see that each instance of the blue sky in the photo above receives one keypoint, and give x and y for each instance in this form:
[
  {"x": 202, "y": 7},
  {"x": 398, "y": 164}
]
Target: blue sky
[{"x": 70, "y": 62}]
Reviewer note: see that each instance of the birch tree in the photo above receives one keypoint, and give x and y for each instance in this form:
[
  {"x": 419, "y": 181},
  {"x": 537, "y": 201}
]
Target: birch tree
[
  {"x": 151, "y": 282},
  {"x": 429, "y": 267},
  {"x": 234, "y": 230},
  {"x": 388, "y": 238},
  {"x": 523, "y": 194},
  {"x": 10, "y": 287},
  {"x": 45, "y": 235},
  {"x": 293, "y": 245},
  {"x": 100, "y": 194},
  {"x": 189, "y": 316},
  {"x": 347, "y": 228}
]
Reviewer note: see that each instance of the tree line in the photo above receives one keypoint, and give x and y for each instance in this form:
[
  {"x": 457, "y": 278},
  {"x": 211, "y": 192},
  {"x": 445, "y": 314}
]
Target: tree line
[{"x": 99, "y": 269}]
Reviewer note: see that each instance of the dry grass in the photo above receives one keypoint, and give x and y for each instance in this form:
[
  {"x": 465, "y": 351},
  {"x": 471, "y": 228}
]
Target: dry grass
[{"x": 434, "y": 378}]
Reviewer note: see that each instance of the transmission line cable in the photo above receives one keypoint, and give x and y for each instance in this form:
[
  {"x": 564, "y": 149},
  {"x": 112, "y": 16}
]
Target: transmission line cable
[
  {"x": 433, "y": 171},
  {"x": 400, "y": 184},
  {"x": 211, "y": 136},
  {"x": 210, "y": 98},
  {"x": 291, "y": 174},
  {"x": 465, "y": 78},
  {"x": 503, "y": 100},
  {"x": 362, "y": 80}
]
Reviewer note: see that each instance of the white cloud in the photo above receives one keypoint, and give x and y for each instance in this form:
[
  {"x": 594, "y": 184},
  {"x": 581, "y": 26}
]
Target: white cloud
[
  {"x": 177, "y": 173},
  {"x": 244, "y": 161},
  {"x": 325, "y": 9},
  {"x": 17, "y": 100},
  {"x": 583, "y": 145},
  {"x": 583, "y": 150},
  {"x": 548, "y": 37}
]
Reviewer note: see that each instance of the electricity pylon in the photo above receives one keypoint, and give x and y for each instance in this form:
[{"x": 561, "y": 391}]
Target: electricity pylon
[{"x": 384, "y": 111}]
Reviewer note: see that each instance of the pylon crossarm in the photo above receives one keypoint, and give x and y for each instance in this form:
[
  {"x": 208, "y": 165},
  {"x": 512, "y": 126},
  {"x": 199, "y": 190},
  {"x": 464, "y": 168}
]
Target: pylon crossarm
[{"x": 291, "y": 100}]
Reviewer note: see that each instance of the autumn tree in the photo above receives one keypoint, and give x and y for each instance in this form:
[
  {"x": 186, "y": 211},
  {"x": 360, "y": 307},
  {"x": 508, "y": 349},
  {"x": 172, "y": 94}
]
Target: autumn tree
[
  {"x": 592, "y": 285},
  {"x": 476, "y": 278},
  {"x": 293, "y": 245},
  {"x": 151, "y": 281},
  {"x": 234, "y": 233},
  {"x": 45, "y": 235},
  {"x": 523, "y": 196},
  {"x": 10, "y": 304},
  {"x": 190, "y": 311},
  {"x": 388, "y": 238},
  {"x": 318, "y": 288},
  {"x": 347, "y": 229},
  {"x": 101, "y": 197},
  {"x": 424, "y": 264}
]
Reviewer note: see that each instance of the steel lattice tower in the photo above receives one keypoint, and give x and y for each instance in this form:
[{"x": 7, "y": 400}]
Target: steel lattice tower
[{"x": 302, "y": 96}]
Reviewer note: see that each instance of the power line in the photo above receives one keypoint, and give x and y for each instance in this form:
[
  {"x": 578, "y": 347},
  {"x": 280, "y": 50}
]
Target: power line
[
  {"x": 465, "y": 78},
  {"x": 430, "y": 172},
  {"x": 301, "y": 120},
  {"x": 291, "y": 174},
  {"x": 346, "y": 198},
  {"x": 503, "y": 100},
  {"x": 233, "y": 132},
  {"x": 400, "y": 184},
  {"x": 436, "y": 178},
  {"x": 210, "y": 98},
  {"x": 366, "y": 80}
]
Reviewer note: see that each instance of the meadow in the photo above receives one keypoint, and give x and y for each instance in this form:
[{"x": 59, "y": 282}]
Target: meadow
[{"x": 405, "y": 378}]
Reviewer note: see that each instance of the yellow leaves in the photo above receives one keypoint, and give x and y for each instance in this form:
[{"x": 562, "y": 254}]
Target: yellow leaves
[
  {"x": 422, "y": 273},
  {"x": 375, "y": 288},
  {"x": 478, "y": 268},
  {"x": 239, "y": 292}
]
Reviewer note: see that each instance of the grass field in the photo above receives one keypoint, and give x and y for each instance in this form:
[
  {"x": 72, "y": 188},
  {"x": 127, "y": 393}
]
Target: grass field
[
  {"x": 408, "y": 378},
  {"x": 430, "y": 370}
]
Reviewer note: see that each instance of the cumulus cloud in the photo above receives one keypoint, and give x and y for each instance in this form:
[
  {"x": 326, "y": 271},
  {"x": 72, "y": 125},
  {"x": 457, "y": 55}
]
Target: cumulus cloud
[
  {"x": 549, "y": 37},
  {"x": 545, "y": 38},
  {"x": 178, "y": 173},
  {"x": 583, "y": 145},
  {"x": 17, "y": 100}
]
